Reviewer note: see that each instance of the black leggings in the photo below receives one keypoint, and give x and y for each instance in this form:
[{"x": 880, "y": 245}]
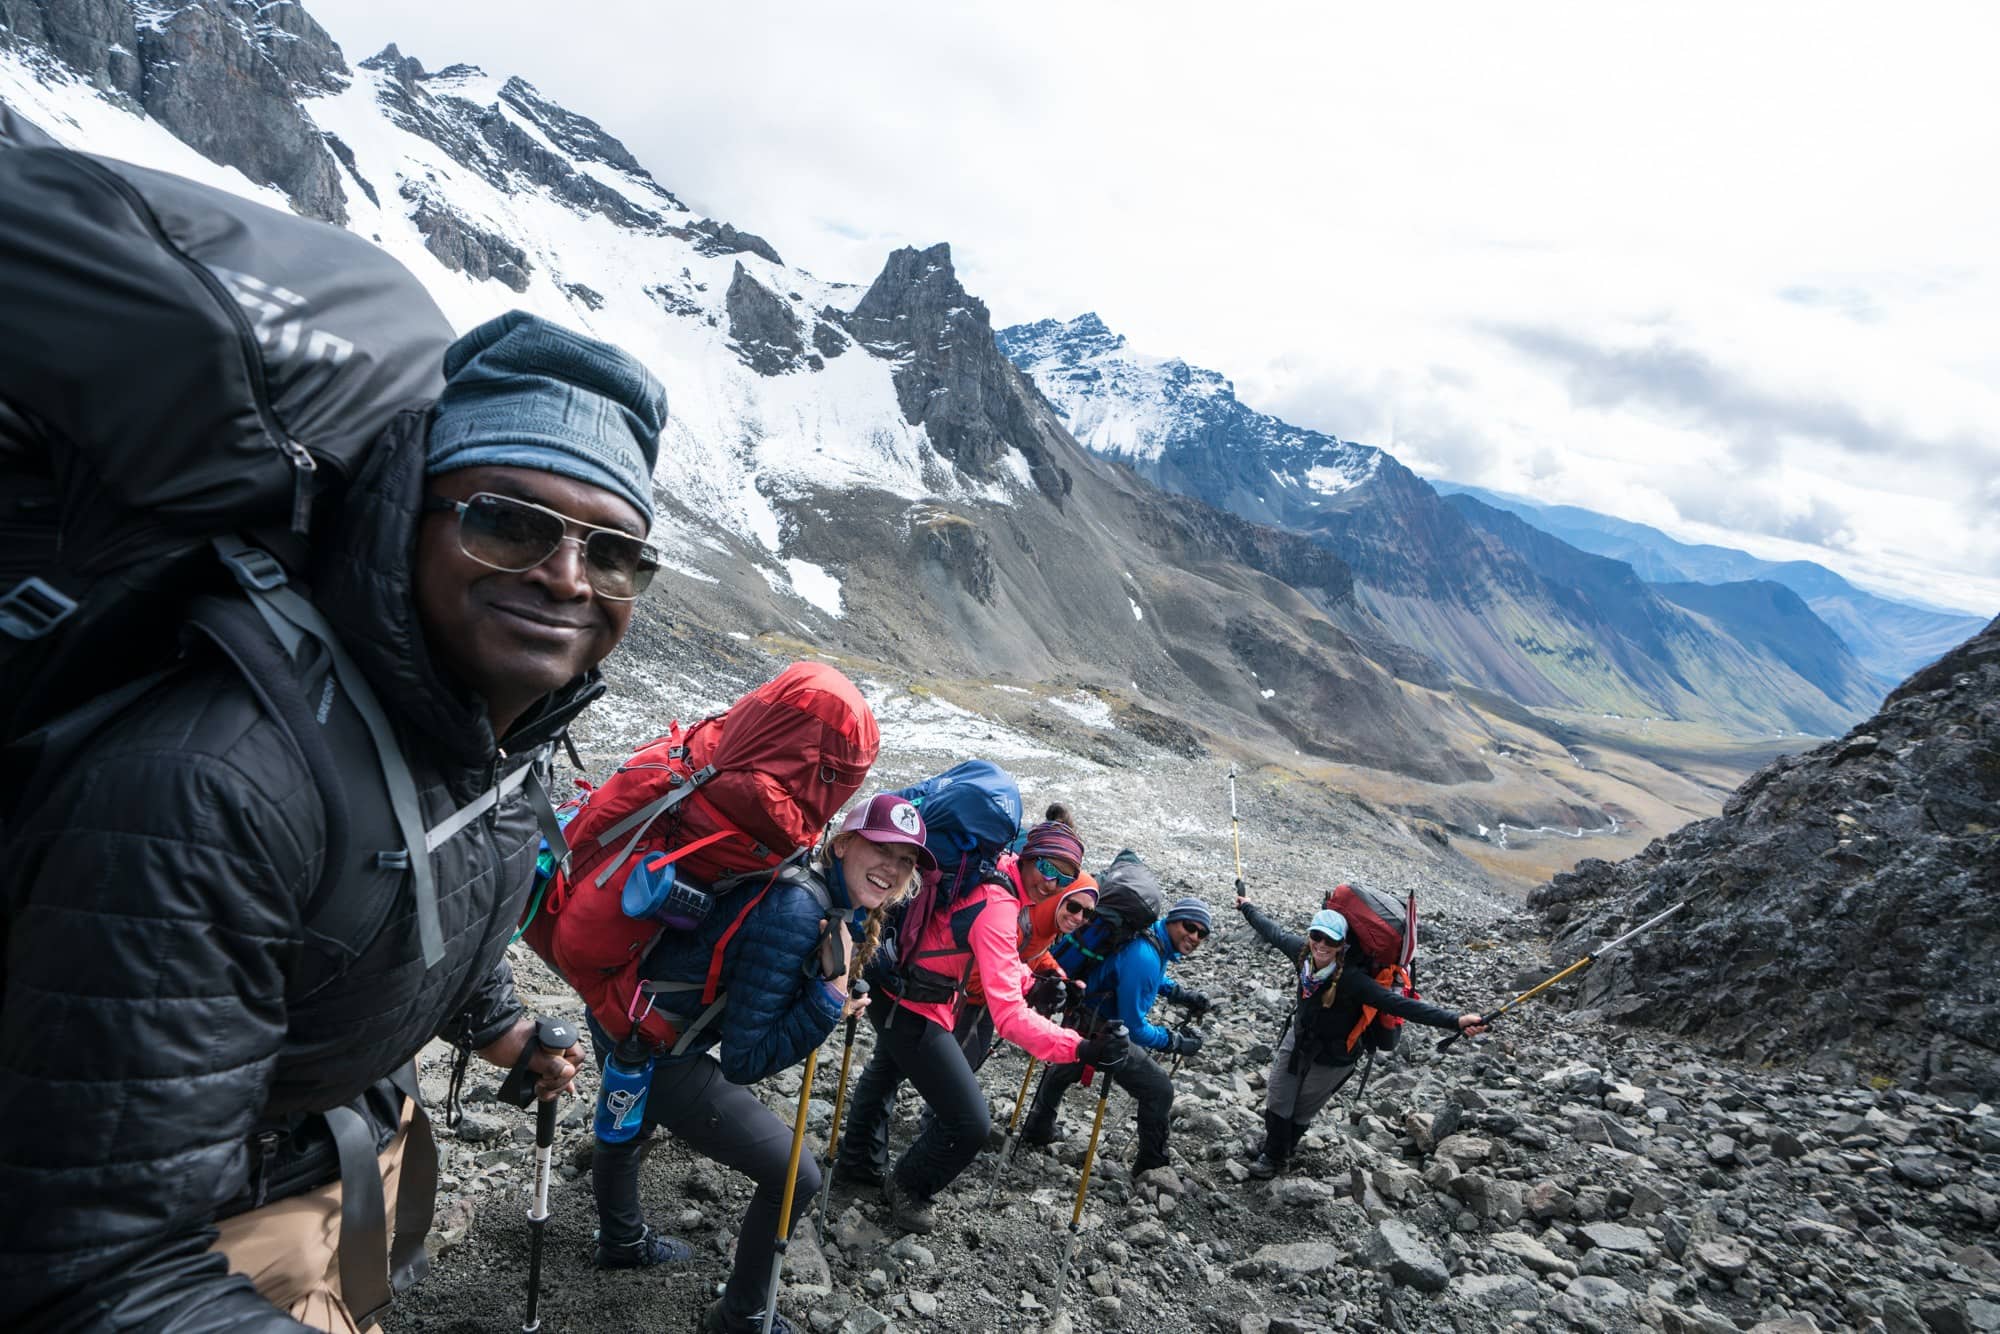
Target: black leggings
[
  {"x": 1141, "y": 1076},
  {"x": 728, "y": 1124},
  {"x": 909, "y": 1046}
]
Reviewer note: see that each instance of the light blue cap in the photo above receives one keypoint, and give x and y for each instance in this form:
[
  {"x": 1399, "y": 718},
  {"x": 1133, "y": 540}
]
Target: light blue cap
[{"x": 1329, "y": 923}]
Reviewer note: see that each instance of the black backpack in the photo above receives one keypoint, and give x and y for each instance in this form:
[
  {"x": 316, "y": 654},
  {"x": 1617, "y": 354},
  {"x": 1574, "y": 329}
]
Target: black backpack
[
  {"x": 181, "y": 366},
  {"x": 1130, "y": 901}
]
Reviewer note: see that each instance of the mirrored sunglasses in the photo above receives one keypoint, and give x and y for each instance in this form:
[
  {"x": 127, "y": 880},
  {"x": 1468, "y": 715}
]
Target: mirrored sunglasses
[
  {"x": 513, "y": 535},
  {"x": 1055, "y": 873}
]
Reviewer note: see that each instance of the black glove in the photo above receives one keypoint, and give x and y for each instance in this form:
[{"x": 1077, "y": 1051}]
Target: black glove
[
  {"x": 1194, "y": 1002},
  {"x": 1106, "y": 1051},
  {"x": 1241, "y": 891},
  {"x": 1186, "y": 1043},
  {"x": 1046, "y": 993}
]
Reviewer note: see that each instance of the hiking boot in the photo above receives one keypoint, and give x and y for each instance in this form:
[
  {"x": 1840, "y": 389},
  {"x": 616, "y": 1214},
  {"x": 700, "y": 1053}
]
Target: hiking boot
[
  {"x": 1266, "y": 1167},
  {"x": 1043, "y": 1136},
  {"x": 648, "y": 1250},
  {"x": 716, "y": 1320},
  {"x": 908, "y": 1213},
  {"x": 851, "y": 1179}
]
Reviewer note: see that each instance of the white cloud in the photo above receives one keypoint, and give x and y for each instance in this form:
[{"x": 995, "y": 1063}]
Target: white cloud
[{"x": 1339, "y": 206}]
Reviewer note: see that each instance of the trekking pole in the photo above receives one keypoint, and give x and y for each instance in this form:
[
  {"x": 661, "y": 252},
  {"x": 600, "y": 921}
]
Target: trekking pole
[
  {"x": 1574, "y": 968},
  {"x": 519, "y": 1088},
  {"x": 1235, "y": 832},
  {"x": 860, "y": 991},
  {"x": 1070, "y": 1243},
  {"x": 791, "y": 1185},
  {"x": 1013, "y": 1122}
]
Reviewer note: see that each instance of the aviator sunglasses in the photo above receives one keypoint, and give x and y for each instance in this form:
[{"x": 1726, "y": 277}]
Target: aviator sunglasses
[
  {"x": 1049, "y": 869},
  {"x": 513, "y": 535}
]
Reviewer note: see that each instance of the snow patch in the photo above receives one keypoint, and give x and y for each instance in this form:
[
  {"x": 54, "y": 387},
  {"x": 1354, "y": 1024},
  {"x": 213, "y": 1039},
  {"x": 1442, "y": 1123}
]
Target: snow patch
[
  {"x": 1137, "y": 614},
  {"x": 815, "y": 585},
  {"x": 1086, "y": 709}
]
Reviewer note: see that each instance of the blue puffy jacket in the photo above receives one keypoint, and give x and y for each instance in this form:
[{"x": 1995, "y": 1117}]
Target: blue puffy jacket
[
  {"x": 779, "y": 1008},
  {"x": 1128, "y": 983}
]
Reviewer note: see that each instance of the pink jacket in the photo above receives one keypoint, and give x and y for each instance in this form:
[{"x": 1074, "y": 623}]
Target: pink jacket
[{"x": 991, "y": 920}]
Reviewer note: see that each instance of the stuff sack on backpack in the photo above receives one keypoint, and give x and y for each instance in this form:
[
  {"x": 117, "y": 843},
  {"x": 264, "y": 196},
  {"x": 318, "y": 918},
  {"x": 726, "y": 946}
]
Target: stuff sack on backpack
[
  {"x": 180, "y": 364},
  {"x": 690, "y": 818},
  {"x": 1383, "y": 933},
  {"x": 1130, "y": 902}
]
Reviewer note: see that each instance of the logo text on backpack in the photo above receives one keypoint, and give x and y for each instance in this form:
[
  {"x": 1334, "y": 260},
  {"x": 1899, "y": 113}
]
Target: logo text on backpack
[{"x": 277, "y": 314}]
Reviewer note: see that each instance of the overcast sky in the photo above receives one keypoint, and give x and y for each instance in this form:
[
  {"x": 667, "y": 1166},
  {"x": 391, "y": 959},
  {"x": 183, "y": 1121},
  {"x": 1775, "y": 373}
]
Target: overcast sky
[{"x": 1727, "y": 270}]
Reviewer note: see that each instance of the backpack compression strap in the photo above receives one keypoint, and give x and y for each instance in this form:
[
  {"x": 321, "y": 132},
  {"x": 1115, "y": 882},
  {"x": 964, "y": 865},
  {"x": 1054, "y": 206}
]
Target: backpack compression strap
[{"x": 293, "y": 620}]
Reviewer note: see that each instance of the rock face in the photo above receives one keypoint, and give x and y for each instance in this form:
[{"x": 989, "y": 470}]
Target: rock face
[
  {"x": 950, "y": 377},
  {"x": 1846, "y": 912},
  {"x": 224, "y": 75},
  {"x": 767, "y": 333}
]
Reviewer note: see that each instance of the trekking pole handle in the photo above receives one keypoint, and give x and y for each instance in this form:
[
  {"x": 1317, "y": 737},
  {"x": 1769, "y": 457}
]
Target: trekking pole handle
[
  {"x": 1445, "y": 1042},
  {"x": 556, "y": 1035}
]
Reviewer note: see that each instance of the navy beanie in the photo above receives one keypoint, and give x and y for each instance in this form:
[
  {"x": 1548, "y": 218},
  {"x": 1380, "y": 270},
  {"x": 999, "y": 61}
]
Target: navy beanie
[
  {"x": 1192, "y": 910},
  {"x": 522, "y": 392}
]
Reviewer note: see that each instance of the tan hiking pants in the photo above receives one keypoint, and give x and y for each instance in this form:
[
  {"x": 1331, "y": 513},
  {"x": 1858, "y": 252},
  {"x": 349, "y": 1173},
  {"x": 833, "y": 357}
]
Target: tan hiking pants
[{"x": 290, "y": 1249}]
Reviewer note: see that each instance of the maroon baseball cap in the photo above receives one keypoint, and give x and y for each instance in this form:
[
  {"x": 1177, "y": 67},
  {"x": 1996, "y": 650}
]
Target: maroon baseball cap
[{"x": 888, "y": 818}]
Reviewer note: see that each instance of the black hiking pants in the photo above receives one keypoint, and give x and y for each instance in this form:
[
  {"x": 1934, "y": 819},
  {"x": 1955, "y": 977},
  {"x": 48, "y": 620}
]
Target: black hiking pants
[
  {"x": 1141, "y": 1076},
  {"x": 909, "y": 1046},
  {"x": 725, "y": 1123}
]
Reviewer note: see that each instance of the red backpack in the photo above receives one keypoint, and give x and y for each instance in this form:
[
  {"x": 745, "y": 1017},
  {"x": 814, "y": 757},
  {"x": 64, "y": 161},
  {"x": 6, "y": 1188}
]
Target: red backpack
[
  {"x": 1388, "y": 940},
  {"x": 736, "y": 795}
]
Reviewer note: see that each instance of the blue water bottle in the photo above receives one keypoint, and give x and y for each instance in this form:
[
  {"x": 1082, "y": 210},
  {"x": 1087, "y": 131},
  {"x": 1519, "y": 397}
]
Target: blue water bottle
[{"x": 621, "y": 1096}]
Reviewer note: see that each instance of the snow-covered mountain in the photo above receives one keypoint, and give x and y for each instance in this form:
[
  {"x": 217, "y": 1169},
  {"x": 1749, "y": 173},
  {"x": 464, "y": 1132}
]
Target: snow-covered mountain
[
  {"x": 1182, "y": 427},
  {"x": 852, "y": 470},
  {"x": 1506, "y": 609}
]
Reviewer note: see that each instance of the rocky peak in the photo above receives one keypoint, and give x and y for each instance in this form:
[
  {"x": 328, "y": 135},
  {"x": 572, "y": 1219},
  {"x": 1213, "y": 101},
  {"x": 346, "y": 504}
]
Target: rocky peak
[
  {"x": 1842, "y": 905},
  {"x": 950, "y": 376},
  {"x": 225, "y": 76},
  {"x": 580, "y": 137}
]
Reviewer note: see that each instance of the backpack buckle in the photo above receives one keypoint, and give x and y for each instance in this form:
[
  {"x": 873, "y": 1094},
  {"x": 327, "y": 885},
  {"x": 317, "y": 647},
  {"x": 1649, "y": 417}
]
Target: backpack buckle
[
  {"x": 255, "y": 568},
  {"x": 33, "y": 607}
]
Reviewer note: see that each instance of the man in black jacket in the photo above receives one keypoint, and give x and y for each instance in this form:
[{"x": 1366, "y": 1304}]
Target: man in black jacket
[{"x": 205, "y": 952}]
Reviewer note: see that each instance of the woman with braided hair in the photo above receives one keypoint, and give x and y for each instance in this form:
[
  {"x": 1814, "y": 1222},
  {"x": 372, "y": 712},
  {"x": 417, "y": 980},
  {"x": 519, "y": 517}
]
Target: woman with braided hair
[
  {"x": 1318, "y": 1053},
  {"x": 788, "y": 952}
]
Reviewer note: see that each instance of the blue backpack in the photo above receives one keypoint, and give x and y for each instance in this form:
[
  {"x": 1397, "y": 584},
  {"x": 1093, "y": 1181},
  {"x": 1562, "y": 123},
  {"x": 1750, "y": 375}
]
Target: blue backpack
[{"x": 971, "y": 812}]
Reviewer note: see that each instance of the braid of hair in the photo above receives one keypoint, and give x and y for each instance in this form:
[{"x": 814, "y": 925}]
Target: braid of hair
[
  {"x": 1333, "y": 983},
  {"x": 870, "y": 942}
]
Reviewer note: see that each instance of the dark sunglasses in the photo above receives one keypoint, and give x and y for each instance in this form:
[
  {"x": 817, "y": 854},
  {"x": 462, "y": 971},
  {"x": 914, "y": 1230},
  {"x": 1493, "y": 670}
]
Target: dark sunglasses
[
  {"x": 1048, "y": 868},
  {"x": 1077, "y": 910},
  {"x": 513, "y": 535},
  {"x": 1198, "y": 932},
  {"x": 1324, "y": 939}
]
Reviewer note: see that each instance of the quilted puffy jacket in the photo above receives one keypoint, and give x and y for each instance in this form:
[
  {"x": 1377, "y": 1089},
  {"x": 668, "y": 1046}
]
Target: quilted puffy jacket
[
  {"x": 778, "y": 1007},
  {"x": 161, "y": 992}
]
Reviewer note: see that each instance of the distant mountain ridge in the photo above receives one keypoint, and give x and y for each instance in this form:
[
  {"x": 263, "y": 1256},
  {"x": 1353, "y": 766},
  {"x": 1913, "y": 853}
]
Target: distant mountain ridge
[
  {"x": 1492, "y": 600},
  {"x": 1890, "y": 638}
]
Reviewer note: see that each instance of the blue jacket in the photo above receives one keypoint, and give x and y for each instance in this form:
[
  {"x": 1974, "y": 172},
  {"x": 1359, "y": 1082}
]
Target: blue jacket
[
  {"x": 779, "y": 1008},
  {"x": 1128, "y": 983}
]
